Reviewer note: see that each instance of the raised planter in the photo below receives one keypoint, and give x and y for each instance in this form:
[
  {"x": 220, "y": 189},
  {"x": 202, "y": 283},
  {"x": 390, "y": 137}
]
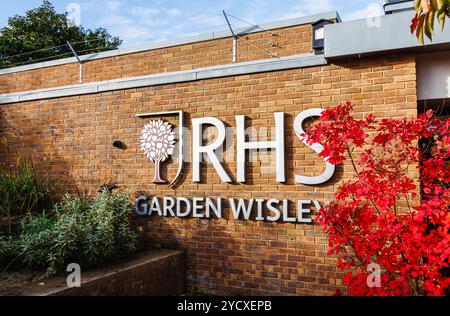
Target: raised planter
[{"x": 152, "y": 273}]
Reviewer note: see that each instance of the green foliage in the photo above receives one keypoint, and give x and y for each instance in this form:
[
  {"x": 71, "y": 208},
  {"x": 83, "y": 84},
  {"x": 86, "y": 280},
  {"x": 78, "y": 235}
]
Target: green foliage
[
  {"x": 88, "y": 232},
  {"x": 43, "y": 28},
  {"x": 10, "y": 249},
  {"x": 427, "y": 11},
  {"x": 23, "y": 191}
]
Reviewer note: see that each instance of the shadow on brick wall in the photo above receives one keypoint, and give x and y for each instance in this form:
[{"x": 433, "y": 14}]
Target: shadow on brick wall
[{"x": 23, "y": 137}]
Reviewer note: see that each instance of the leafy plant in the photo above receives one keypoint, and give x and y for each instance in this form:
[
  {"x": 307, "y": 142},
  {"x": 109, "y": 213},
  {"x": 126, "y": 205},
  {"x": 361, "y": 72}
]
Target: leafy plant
[
  {"x": 23, "y": 190},
  {"x": 426, "y": 13},
  {"x": 9, "y": 251},
  {"x": 378, "y": 216},
  {"x": 89, "y": 232}
]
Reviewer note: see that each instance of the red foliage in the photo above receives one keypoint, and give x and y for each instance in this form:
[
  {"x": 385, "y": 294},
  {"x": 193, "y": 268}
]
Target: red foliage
[{"x": 385, "y": 215}]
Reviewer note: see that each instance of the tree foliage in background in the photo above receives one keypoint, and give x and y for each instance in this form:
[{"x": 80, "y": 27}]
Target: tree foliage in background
[
  {"x": 426, "y": 13},
  {"x": 30, "y": 36},
  {"x": 384, "y": 215}
]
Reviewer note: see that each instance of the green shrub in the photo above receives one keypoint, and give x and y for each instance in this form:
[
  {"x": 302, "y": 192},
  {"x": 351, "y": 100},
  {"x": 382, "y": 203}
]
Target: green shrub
[
  {"x": 88, "y": 232},
  {"x": 23, "y": 191},
  {"x": 10, "y": 249}
]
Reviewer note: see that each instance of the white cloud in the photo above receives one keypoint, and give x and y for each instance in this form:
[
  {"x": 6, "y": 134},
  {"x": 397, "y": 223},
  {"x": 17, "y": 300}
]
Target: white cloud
[
  {"x": 112, "y": 5},
  {"x": 172, "y": 12},
  {"x": 114, "y": 20},
  {"x": 143, "y": 11},
  {"x": 133, "y": 33},
  {"x": 132, "y": 24},
  {"x": 372, "y": 10},
  {"x": 305, "y": 8}
]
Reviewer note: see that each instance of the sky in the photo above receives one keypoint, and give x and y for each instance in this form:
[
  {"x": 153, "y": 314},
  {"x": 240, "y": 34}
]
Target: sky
[{"x": 146, "y": 21}]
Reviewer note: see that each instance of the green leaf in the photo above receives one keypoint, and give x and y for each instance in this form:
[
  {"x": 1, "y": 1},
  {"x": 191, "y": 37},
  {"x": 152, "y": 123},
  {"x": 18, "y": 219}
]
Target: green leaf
[
  {"x": 418, "y": 6},
  {"x": 434, "y": 5},
  {"x": 441, "y": 19},
  {"x": 429, "y": 24},
  {"x": 420, "y": 30}
]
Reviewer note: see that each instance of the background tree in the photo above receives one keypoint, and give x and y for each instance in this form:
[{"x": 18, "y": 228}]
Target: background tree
[
  {"x": 41, "y": 34},
  {"x": 426, "y": 13}
]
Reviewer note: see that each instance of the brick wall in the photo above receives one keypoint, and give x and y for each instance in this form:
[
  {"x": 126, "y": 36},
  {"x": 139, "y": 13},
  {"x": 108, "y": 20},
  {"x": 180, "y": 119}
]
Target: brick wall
[
  {"x": 72, "y": 137},
  {"x": 284, "y": 42}
]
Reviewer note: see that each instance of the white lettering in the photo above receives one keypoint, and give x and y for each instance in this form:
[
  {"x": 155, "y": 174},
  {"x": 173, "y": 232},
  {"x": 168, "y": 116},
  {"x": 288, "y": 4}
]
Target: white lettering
[
  {"x": 286, "y": 217},
  {"x": 259, "y": 203},
  {"x": 155, "y": 207},
  {"x": 242, "y": 145},
  {"x": 301, "y": 210},
  {"x": 197, "y": 206},
  {"x": 198, "y": 148},
  {"x": 217, "y": 209},
  {"x": 168, "y": 204},
  {"x": 251, "y": 209},
  {"x": 274, "y": 210},
  {"x": 241, "y": 208},
  {"x": 187, "y": 204},
  {"x": 329, "y": 171}
]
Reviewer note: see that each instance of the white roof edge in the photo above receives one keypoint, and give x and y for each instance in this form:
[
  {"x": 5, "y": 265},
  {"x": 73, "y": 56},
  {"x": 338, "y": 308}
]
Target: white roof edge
[
  {"x": 265, "y": 65},
  {"x": 188, "y": 40},
  {"x": 392, "y": 33}
]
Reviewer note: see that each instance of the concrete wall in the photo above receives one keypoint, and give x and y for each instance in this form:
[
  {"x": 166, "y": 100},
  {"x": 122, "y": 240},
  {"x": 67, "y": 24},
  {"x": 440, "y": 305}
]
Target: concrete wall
[
  {"x": 433, "y": 76},
  {"x": 152, "y": 273}
]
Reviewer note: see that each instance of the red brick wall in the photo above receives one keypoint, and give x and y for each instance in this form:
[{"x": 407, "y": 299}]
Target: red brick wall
[
  {"x": 73, "y": 136},
  {"x": 286, "y": 41}
]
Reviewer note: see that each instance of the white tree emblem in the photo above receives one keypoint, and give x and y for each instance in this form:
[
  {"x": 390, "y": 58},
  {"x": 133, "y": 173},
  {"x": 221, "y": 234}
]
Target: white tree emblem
[{"x": 157, "y": 143}]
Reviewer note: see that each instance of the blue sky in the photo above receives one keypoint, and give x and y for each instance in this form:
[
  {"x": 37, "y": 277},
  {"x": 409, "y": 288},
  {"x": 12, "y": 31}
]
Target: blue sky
[{"x": 143, "y": 21}]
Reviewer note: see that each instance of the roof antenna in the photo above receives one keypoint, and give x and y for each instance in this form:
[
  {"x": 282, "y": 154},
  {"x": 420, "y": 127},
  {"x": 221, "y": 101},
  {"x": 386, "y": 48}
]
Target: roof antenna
[
  {"x": 79, "y": 60},
  {"x": 234, "y": 37}
]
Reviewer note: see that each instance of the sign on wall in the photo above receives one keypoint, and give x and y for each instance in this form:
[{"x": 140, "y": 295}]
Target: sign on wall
[{"x": 160, "y": 141}]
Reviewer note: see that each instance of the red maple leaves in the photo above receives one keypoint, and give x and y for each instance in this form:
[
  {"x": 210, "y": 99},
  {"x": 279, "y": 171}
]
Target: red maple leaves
[{"x": 383, "y": 214}]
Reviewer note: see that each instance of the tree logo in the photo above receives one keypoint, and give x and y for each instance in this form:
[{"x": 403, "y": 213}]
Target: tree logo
[{"x": 158, "y": 143}]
